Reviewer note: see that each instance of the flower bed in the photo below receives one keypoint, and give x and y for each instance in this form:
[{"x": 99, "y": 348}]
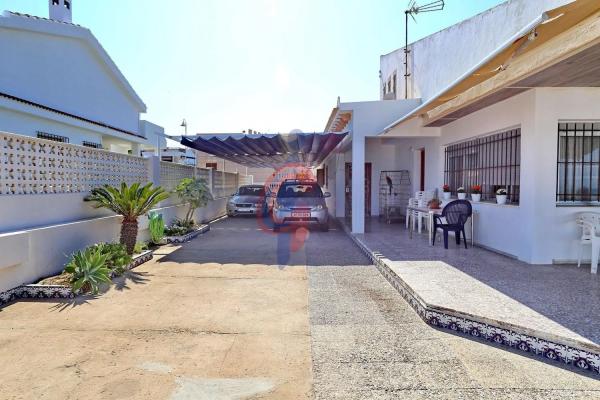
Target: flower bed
[
  {"x": 188, "y": 236},
  {"x": 50, "y": 291}
]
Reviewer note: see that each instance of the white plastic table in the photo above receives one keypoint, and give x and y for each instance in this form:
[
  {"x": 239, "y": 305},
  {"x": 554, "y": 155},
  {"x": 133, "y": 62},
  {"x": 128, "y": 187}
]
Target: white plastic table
[{"x": 430, "y": 213}]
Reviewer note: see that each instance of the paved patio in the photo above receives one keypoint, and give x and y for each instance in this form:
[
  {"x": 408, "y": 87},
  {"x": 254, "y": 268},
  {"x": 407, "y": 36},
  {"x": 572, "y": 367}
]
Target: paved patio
[
  {"x": 560, "y": 303},
  {"x": 220, "y": 318}
]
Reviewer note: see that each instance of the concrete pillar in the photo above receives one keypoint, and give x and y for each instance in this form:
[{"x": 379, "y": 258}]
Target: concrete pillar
[
  {"x": 154, "y": 170},
  {"x": 358, "y": 184},
  {"x": 136, "y": 149},
  {"x": 340, "y": 185}
]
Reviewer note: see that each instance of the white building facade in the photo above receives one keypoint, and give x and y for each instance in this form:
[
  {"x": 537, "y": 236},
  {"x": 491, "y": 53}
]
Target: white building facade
[
  {"x": 57, "y": 82},
  {"x": 513, "y": 105}
]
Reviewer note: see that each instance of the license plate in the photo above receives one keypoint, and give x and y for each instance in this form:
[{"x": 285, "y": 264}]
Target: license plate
[{"x": 301, "y": 214}]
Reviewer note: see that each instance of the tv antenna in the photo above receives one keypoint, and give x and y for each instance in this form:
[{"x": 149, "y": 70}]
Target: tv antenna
[{"x": 412, "y": 10}]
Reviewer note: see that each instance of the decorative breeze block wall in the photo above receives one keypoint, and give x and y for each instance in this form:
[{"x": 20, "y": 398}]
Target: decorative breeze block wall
[{"x": 35, "y": 166}]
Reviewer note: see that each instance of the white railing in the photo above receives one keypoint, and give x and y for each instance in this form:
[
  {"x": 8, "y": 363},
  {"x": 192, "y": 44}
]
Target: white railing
[{"x": 35, "y": 166}]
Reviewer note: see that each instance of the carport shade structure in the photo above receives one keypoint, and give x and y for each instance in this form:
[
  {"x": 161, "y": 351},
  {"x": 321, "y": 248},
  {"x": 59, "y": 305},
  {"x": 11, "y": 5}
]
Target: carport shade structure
[{"x": 267, "y": 150}]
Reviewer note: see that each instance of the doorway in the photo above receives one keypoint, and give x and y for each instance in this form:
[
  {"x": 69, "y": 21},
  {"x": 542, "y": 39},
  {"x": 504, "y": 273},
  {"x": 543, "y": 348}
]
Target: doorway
[{"x": 348, "y": 189}]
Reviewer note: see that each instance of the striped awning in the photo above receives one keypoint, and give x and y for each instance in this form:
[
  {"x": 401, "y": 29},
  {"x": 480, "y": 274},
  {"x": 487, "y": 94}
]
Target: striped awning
[{"x": 267, "y": 150}]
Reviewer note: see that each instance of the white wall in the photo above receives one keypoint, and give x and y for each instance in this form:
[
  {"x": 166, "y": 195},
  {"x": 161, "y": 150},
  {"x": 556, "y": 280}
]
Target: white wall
[
  {"x": 439, "y": 59},
  {"x": 30, "y": 254}
]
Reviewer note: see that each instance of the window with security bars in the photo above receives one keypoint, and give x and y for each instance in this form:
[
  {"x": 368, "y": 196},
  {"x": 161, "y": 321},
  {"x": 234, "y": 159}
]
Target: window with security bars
[
  {"x": 493, "y": 162},
  {"x": 50, "y": 136},
  {"x": 578, "y": 163},
  {"x": 91, "y": 144}
]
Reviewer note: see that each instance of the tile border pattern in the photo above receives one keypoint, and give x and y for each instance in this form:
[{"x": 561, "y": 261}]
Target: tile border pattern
[
  {"x": 35, "y": 291},
  {"x": 549, "y": 350},
  {"x": 188, "y": 236}
]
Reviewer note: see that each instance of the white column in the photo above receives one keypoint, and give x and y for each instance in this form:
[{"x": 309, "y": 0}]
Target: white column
[
  {"x": 136, "y": 149},
  {"x": 358, "y": 184},
  {"x": 340, "y": 185}
]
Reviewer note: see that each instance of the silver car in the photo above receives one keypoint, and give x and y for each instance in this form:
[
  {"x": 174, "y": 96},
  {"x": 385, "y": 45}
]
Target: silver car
[
  {"x": 248, "y": 200},
  {"x": 300, "y": 203}
]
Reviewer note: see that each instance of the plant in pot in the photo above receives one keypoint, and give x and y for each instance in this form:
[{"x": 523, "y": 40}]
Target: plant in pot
[
  {"x": 195, "y": 193},
  {"x": 434, "y": 204},
  {"x": 130, "y": 202},
  {"x": 501, "y": 195},
  {"x": 446, "y": 192},
  {"x": 476, "y": 193},
  {"x": 461, "y": 193}
]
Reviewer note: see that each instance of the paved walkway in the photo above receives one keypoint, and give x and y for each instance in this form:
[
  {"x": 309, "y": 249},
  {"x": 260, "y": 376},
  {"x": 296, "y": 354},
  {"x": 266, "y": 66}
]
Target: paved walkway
[
  {"x": 221, "y": 318},
  {"x": 559, "y": 303}
]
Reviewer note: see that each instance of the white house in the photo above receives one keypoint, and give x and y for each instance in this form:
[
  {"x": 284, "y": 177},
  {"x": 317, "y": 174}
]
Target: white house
[
  {"x": 57, "y": 82},
  {"x": 507, "y": 99}
]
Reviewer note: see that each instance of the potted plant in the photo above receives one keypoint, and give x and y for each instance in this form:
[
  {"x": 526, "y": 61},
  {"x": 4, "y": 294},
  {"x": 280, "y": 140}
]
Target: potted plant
[
  {"x": 446, "y": 192},
  {"x": 476, "y": 193},
  {"x": 461, "y": 193},
  {"x": 501, "y": 196},
  {"x": 130, "y": 202}
]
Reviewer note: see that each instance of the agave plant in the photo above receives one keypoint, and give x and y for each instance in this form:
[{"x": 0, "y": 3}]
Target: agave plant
[
  {"x": 131, "y": 202},
  {"x": 88, "y": 269}
]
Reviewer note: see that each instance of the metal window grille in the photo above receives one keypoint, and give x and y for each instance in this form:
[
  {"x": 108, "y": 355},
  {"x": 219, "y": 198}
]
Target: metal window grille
[
  {"x": 493, "y": 161},
  {"x": 91, "y": 144},
  {"x": 50, "y": 136},
  {"x": 578, "y": 162}
]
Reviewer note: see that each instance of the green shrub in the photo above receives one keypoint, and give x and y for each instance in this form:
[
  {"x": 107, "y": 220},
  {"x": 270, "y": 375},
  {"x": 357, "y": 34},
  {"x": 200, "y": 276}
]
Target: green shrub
[
  {"x": 157, "y": 227},
  {"x": 180, "y": 227},
  {"x": 117, "y": 258},
  {"x": 140, "y": 247},
  {"x": 195, "y": 193},
  {"x": 88, "y": 269}
]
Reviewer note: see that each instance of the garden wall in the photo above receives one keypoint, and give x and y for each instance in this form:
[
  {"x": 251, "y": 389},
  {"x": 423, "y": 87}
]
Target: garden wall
[{"x": 43, "y": 217}]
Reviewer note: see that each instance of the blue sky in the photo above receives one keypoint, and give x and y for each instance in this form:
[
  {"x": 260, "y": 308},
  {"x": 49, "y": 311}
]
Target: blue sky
[{"x": 270, "y": 65}]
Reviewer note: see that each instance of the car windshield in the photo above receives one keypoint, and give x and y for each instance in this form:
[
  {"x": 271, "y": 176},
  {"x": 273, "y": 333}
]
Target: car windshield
[
  {"x": 300, "y": 190},
  {"x": 251, "y": 191}
]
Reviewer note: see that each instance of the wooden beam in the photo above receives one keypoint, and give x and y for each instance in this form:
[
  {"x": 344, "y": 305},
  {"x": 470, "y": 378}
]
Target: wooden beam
[{"x": 577, "y": 39}]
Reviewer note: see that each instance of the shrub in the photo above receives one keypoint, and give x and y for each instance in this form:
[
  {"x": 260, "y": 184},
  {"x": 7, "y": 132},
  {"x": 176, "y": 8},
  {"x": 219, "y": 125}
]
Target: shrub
[
  {"x": 195, "y": 192},
  {"x": 157, "y": 228},
  {"x": 117, "y": 257},
  {"x": 140, "y": 247},
  {"x": 88, "y": 269},
  {"x": 179, "y": 227}
]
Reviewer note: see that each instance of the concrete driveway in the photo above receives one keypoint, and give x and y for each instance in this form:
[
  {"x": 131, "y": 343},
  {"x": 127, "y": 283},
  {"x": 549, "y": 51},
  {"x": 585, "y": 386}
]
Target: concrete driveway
[{"x": 237, "y": 314}]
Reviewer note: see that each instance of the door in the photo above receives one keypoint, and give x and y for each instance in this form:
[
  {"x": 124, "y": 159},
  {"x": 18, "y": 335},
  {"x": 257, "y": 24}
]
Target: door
[
  {"x": 348, "y": 189},
  {"x": 422, "y": 177}
]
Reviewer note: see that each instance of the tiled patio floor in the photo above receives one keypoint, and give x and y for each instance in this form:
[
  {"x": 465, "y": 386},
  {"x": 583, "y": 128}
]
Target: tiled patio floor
[{"x": 560, "y": 302}]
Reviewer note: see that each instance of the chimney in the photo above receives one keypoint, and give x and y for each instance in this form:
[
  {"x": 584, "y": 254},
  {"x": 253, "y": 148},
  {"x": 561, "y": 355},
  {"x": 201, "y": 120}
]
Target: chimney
[{"x": 61, "y": 10}]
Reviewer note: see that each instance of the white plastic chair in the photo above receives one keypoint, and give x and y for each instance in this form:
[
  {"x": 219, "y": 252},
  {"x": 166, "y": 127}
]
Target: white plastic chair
[
  {"x": 590, "y": 226},
  {"x": 423, "y": 199},
  {"x": 412, "y": 202}
]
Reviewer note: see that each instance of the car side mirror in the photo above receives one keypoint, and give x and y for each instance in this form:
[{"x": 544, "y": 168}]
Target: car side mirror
[{"x": 326, "y": 194}]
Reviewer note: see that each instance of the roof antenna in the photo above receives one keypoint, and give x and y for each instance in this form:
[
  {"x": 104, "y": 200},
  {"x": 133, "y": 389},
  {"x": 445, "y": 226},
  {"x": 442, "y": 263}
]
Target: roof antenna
[{"x": 414, "y": 9}]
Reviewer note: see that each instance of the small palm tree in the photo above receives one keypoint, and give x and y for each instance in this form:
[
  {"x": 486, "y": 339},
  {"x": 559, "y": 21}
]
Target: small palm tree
[{"x": 131, "y": 202}]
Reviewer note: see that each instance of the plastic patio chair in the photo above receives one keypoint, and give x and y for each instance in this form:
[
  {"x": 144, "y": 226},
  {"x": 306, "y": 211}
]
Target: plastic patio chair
[
  {"x": 590, "y": 225},
  {"x": 423, "y": 198},
  {"x": 453, "y": 219}
]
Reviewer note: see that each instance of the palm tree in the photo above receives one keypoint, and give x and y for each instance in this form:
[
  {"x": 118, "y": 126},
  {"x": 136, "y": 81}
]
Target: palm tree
[{"x": 130, "y": 202}]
